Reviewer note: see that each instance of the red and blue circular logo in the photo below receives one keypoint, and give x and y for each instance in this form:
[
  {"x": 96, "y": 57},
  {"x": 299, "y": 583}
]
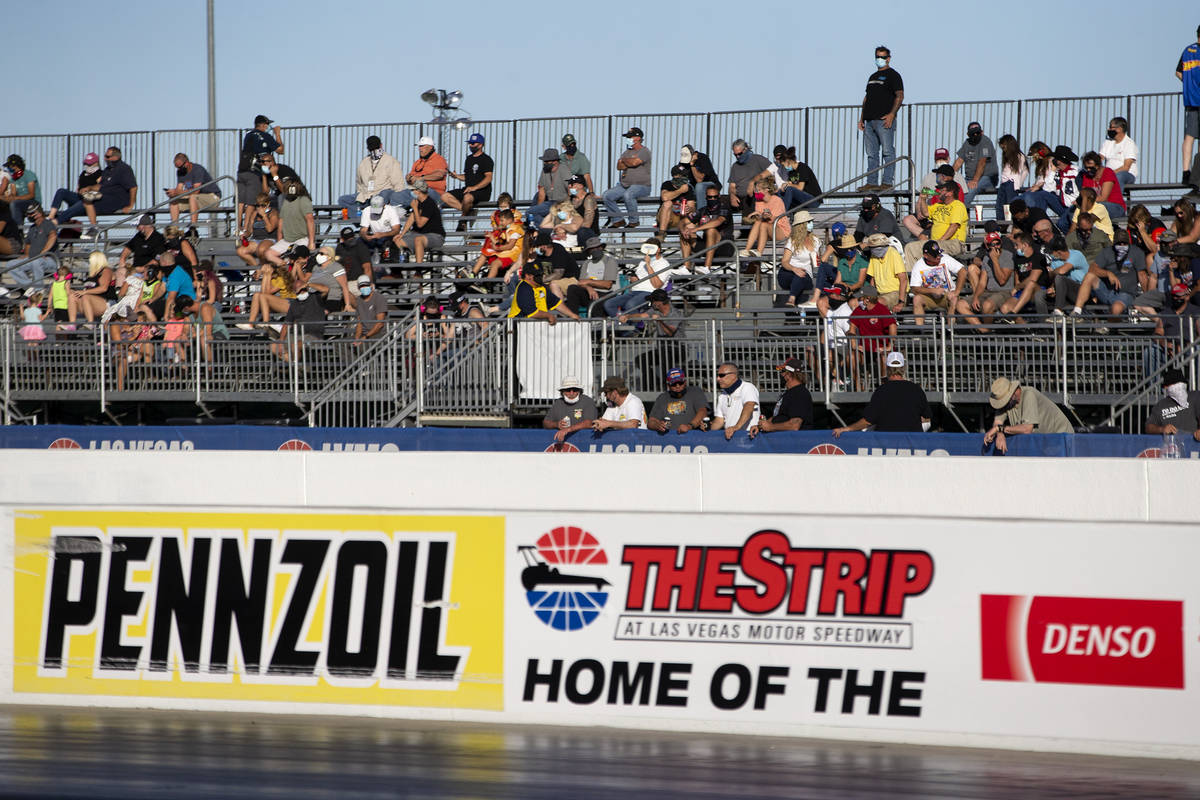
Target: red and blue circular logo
[{"x": 562, "y": 584}]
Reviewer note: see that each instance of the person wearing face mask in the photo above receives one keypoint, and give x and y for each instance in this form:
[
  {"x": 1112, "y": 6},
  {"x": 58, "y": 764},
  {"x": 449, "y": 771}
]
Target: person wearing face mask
[
  {"x": 297, "y": 225},
  {"x": 769, "y": 221},
  {"x": 304, "y": 321},
  {"x": 1087, "y": 236},
  {"x": 1114, "y": 279},
  {"x": 586, "y": 206},
  {"x": 976, "y": 157},
  {"x": 874, "y": 218},
  {"x": 1031, "y": 268},
  {"x": 564, "y": 225},
  {"x": 371, "y": 308},
  {"x": 653, "y": 272},
  {"x": 737, "y": 406},
  {"x": 1179, "y": 410},
  {"x": 258, "y": 141},
  {"x": 634, "y": 166},
  {"x": 701, "y": 173},
  {"x": 379, "y": 174},
  {"x": 681, "y": 408},
  {"x": 328, "y": 281},
  {"x": 747, "y": 165},
  {"x": 1120, "y": 152},
  {"x": 117, "y": 190},
  {"x": 274, "y": 175},
  {"x": 677, "y": 198},
  {"x": 551, "y": 187},
  {"x": 430, "y": 168},
  {"x": 708, "y": 224},
  {"x": 572, "y": 411},
  {"x": 20, "y": 187},
  {"x": 191, "y": 176},
  {"x": 886, "y": 271},
  {"x": 598, "y": 274},
  {"x": 1104, "y": 181},
  {"x": 504, "y": 241},
  {"x": 1022, "y": 410},
  {"x": 88, "y": 182},
  {"x": 478, "y": 169},
  {"x": 379, "y": 226},
  {"x": 877, "y": 120},
  {"x": 423, "y": 229},
  {"x": 623, "y": 409},
  {"x": 575, "y": 162}
]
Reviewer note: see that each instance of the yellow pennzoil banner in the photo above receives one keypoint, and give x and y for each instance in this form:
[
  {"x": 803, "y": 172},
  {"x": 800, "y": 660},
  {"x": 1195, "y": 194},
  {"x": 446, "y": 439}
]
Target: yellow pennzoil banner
[{"x": 326, "y": 608}]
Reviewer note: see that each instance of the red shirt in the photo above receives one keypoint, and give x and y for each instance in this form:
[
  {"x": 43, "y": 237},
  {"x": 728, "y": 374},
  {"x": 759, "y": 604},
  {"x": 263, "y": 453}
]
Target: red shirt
[
  {"x": 875, "y": 323},
  {"x": 1105, "y": 175}
]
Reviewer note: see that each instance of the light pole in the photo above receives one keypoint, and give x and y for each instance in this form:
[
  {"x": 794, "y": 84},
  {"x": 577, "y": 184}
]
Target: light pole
[{"x": 446, "y": 109}]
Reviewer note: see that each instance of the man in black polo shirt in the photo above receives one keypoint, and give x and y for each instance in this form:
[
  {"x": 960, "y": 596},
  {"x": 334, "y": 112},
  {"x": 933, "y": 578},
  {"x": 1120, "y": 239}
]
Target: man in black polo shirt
[
  {"x": 794, "y": 408},
  {"x": 897, "y": 406},
  {"x": 877, "y": 121},
  {"x": 145, "y": 246}
]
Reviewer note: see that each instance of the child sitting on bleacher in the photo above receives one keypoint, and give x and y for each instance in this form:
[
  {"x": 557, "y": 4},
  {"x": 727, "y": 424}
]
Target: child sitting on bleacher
[{"x": 502, "y": 246}]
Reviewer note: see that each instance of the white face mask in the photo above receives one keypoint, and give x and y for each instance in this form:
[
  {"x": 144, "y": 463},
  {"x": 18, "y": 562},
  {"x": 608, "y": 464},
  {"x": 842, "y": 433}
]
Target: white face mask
[
  {"x": 809, "y": 226},
  {"x": 302, "y": 295},
  {"x": 571, "y": 400},
  {"x": 1178, "y": 392},
  {"x": 322, "y": 258}
]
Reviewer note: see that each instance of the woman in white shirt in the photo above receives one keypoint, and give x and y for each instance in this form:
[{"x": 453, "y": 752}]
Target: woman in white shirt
[
  {"x": 1014, "y": 171},
  {"x": 800, "y": 261}
]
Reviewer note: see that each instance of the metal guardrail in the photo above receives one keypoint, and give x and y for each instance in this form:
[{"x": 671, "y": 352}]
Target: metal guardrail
[
  {"x": 826, "y": 137},
  {"x": 483, "y": 371}
]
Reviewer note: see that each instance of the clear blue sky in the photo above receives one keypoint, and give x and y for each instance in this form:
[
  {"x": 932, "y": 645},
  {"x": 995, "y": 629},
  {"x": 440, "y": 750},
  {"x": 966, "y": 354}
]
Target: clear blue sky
[{"x": 309, "y": 62}]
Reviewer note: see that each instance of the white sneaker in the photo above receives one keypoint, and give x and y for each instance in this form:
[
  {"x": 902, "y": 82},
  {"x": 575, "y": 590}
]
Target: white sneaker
[
  {"x": 244, "y": 326},
  {"x": 1057, "y": 313},
  {"x": 1076, "y": 312}
]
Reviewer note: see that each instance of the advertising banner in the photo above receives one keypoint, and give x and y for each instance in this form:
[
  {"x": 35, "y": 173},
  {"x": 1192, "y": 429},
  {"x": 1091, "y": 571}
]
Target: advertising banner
[
  {"x": 1045, "y": 630},
  {"x": 818, "y": 442},
  {"x": 340, "y": 608}
]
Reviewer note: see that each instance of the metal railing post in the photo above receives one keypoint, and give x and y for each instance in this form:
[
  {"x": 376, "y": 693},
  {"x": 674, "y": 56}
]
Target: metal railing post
[
  {"x": 7, "y": 339},
  {"x": 420, "y": 376},
  {"x": 102, "y": 354}
]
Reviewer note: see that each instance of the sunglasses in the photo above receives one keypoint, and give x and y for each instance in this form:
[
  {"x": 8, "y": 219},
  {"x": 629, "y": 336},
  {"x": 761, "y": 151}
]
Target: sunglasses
[
  {"x": 572, "y": 391},
  {"x": 724, "y": 374}
]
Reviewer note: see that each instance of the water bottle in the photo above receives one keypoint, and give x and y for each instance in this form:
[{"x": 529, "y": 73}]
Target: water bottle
[{"x": 1170, "y": 447}]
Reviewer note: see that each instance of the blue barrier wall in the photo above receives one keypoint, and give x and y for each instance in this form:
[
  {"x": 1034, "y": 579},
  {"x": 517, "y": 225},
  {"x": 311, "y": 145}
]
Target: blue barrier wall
[{"x": 249, "y": 437}]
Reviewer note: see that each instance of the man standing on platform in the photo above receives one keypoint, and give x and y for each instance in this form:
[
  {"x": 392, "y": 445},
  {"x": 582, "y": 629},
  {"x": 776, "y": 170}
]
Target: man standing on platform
[{"x": 877, "y": 120}]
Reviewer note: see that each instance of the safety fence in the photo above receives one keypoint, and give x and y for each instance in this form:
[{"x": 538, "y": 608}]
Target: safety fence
[
  {"x": 826, "y": 137},
  {"x": 484, "y": 371}
]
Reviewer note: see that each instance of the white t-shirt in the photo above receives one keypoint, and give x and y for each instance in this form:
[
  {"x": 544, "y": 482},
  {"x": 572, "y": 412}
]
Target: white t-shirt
[
  {"x": 642, "y": 274},
  {"x": 630, "y": 408},
  {"x": 837, "y": 323},
  {"x": 941, "y": 275},
  {"x": 729, "y": 405},
  {"x": 803, "y": 259},
  {"x": 387, "y": 219},
  {"x": 1114, "y": 154}
]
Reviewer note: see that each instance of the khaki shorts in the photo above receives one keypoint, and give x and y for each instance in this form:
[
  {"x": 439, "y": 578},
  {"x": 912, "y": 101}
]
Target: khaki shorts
[
  {"x": 890, "y": 299},
  {"x": 997, "y": 299},
  {"x": 934, "y": 302},
  {"x": 203, "y": 200}
]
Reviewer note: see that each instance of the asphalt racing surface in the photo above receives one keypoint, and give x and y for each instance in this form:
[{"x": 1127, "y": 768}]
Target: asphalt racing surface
[{"x": 70, "y": 753}]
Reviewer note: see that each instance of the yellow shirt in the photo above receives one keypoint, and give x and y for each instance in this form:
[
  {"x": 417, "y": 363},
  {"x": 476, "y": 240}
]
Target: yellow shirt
[
  {"x": 1103, "y": 220},
  {"x": 884, "y": 271},
  {"x": 943, "y": 215}
]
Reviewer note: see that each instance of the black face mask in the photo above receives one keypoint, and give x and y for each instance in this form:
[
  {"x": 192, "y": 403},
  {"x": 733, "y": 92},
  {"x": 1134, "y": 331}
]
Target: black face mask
[
  {"x": 475, "y": 148},
  {"x": 713, "y": 201},
  {"x": 1110, "y": 134},
  {"x": 181, "y": 171},
  {"x": 569, "y": 149},
  {"x": 1120, "y": 251},
  {"x": 975, "y": 138},
  {"x": 1083, "y": 235},
  {"x": 868, "y": 213},
  {"x": 1090, "y": 172},
  {"x": 548, "y": 166}
]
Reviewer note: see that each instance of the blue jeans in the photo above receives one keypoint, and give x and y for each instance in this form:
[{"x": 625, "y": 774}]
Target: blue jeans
[
  {"x": 1126, "y": 179},
  {"x": 876, "y": 137},
  {"x": 32, "y": 272},
  {"x": 800, "y": 287},
  {"x": 405, "y": 197},
  {"x": 64, "y": 196},
  {"x": 1005, "y": 194},
  {"x": 536, "y": 213},
  {"x": 348, "y": 202},
  {"x": 630, "y": 196},
  {"x": 985, "y": 182},
  {"x": 793, "y": 197},
  {"x": 622, "y": 303},
  {"x": 1051, "y": 203},
  {"x": 1115, "y": 210}
]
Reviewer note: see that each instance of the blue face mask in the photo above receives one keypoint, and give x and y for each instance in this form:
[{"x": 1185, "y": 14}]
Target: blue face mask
[
  {"x": 365, "y": 291},
  {"x": 880, "y": 62},
  {"x": 742, "y": 157}
]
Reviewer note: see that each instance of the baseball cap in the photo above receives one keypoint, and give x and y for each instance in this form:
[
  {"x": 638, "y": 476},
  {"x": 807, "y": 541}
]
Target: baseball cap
[
  {"x": 947, "y": 171},
  {"x": 791, "y": 365},
  {"x": 974, "y": 127},
  {"x": 568, "y": 138},
  {"x": 992, "y": 238},
  {"x": 263, "y": 118},
  {"x": 543, "y": 238},
  {"x": 550, "y": 154},
  {"x": 377, "y": 203},
  {"x": 363, "y": 280},
  {"x": 298, "y": 251},
  {"x": 593, "y": 242},
  {"x": 870, "y": 201},
  {"x": 91, "y": 158},
  {"x": 675, "y": 374},
  {"x": 1173, "y": 376},
  {"x": 614, "y": 382},
  {"x": 33, "y": 208},
  {"x": 346, "y": 232},
  {"x": 475, "y": 138},
  {"x": 633, "y": 131},
  {"x": 838, "y": 230},
  {"x": 577, "y": 179},
  {"x": 895, "y": 359},
  {"x": 146, "y": 219},
  {"x": 932, "y": 248},
  {"x": 426, "y": 140},
  {"x": 941, "y": 154},
  {"x": 420, "y": 185},
  {"x": 457, "y": 296},
  {"x": 868, "y": 290}
]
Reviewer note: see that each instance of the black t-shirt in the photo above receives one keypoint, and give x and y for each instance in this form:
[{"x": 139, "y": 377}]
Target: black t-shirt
[
  {"x": 284, "y": 172},
  {"x": 433, "y": 217},
  {"x": 1135, "y": 238},
  {"x": 12, "y": 228},
  {"x": 254, "y": 144},
  {"x": 475, "y": 167},
  {"x": 352, "y": 257},
  {"x": 705, "y": 166},
  {"x": 897, "y": 406},
  {"x": 688, "y": 194},
  {"x": 808, "y": 178},
  {"x": 560, "y": 259},
  {"x": 1025, "y": 266},
  {"x": 1034, "y": 216},
  {"x": 795, "y": 402},
  {"x": 708, "y": 213},
  {"x": 88, "y": 180},
  {"x": 146, "y": 248},
  {"x": 881, "y": 93},
  {"x": 308, "y": 310}
]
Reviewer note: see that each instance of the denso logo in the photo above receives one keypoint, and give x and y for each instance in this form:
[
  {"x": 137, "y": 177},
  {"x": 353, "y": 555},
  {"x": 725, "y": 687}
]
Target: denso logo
[{"x": 1085, "y": 640}]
